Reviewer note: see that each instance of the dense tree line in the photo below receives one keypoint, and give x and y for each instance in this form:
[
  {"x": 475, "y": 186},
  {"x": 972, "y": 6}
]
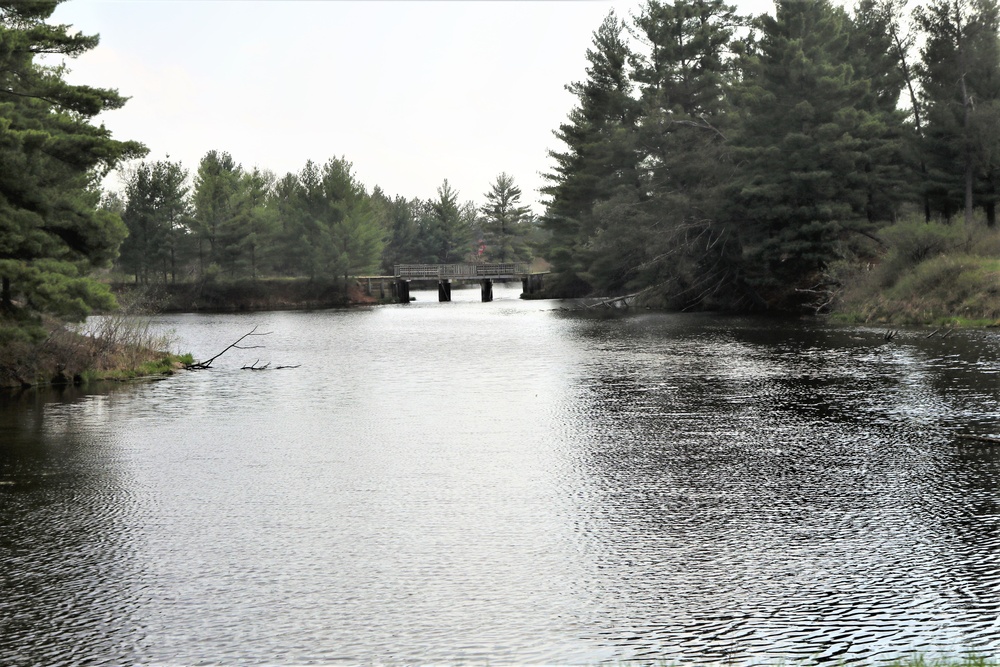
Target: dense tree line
[
  {"x": 710, "y": 160},
  {"x": 719, "y": 160},
  {"x": 321, "y": 222}
]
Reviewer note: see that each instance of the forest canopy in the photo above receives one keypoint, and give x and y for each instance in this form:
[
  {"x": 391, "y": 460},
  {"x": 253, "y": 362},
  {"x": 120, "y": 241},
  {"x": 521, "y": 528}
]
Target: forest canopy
[{"x": 714, "y": 160}]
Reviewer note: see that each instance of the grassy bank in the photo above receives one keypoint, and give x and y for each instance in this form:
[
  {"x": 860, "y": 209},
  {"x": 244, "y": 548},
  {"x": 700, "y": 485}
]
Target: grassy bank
[
  {"x": 118, "y": 346},
  {"x": 67, "y": 356},
  {"x": 924, "y": 274}
]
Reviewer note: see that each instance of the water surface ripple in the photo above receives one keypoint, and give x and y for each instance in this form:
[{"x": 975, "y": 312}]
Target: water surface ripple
[{"x": 510, "y": 483}]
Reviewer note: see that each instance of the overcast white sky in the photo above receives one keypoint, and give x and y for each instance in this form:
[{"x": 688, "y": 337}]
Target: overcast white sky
[{"x": 411, "y": 92}]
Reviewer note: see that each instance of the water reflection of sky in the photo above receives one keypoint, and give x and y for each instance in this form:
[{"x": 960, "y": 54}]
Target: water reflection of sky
[{"x": 510, "y": 482}]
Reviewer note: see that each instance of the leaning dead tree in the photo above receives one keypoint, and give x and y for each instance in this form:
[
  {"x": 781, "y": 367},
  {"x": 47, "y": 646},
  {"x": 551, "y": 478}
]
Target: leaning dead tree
[{"x": 198, "y": 365}]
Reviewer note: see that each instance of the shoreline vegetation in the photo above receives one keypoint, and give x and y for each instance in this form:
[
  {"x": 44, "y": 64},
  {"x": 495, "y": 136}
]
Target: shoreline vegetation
[
  {"x": 919, "y": 274},
  {"x": 815, "y": 161},
  {"x": 122, "y": 345}
]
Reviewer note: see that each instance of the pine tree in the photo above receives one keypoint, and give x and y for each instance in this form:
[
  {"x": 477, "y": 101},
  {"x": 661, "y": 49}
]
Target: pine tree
[
  {"x": 402, "y": 230},
  {"x": 959, "y": 73},
  {"x": 598, "y": 160},
  {"x": 669, "y": 240},
  {"x": 156, "y": 213},
  {"x": 215, "y": 223},
  {"x": 807, "y": 143},
  {"x": 52, "y": 232},
  {"x": 447, "y": 228},
  {"x": 356, "y": 240},
  {"x": 506, "y": 222},
  {"x": 255, "y": 220}
]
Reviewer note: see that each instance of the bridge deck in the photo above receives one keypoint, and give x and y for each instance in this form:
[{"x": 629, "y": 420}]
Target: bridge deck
[{"x": 458, "y": 271}]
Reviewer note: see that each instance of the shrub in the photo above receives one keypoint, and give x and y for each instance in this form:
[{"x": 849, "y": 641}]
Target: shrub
[{"x": 912, "y": 241}]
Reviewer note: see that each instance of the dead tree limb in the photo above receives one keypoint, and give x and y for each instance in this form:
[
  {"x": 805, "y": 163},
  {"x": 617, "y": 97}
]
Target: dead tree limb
[
  {"x": 979, "y": 438},
  {"x": 236, "y": 345}
]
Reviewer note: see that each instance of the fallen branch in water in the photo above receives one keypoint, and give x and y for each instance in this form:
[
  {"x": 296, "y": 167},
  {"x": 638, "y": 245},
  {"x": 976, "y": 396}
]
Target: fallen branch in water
[
  {"x": 979, "y": 438},
  {"x": 206, "y": 364},
  {"x": 616, "y": 302},
  {"x": 266, "y": 367}
]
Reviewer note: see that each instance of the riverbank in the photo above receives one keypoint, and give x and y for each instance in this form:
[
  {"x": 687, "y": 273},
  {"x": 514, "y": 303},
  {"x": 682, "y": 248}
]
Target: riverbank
[
  {"x": 231, "y": 296},
  {"x": 928, "y": 274},
  {"x": 121, "y": 348}
]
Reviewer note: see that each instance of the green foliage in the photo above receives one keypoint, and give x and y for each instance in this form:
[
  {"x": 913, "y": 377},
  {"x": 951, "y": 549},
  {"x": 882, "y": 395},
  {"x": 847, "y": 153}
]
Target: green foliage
[
  {"x": 598, "y": 160},
  {"x": 157, "y": 213},
  {"x": 959, "y": 75},
  {"x": 506, "y": 223},
  {"x": 931, "y": 273},
  {"x": 447, "y": 228},
  {"x": 328, "y": 225},
  {"x": 399, "y": 219},
  {"x": 913, "y": 241},
  {"x": 813, "y": 141},
  {"x": 51, "y": 231},
  {"x": 216, "y": 223},
  {"x": 724, "y": 161}
]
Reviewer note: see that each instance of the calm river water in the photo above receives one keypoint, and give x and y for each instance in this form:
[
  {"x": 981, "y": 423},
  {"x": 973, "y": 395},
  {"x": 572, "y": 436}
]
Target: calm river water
[{"x": 510, "y": 483}]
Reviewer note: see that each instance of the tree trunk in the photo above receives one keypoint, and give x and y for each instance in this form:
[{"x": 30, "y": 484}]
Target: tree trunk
[{"x": 915, "y": 104}]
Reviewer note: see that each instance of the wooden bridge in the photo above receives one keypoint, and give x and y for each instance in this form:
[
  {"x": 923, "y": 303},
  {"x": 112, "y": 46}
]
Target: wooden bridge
[{"x": 445, "y": 274}]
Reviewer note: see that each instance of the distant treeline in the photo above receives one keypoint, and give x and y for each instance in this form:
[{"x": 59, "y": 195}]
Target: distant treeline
[
  {"x": 319, "y": 223},
  {"x": 714, "y": 160}
]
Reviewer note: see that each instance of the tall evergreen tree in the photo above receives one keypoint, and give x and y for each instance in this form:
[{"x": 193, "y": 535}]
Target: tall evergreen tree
[
  {"x": 51, "y": 155},
  {"x": 156, "y": 213},
  {"x": 887, "y": 169},
  {"x": 215, "y": 223},
  {"x": 506, "y": 222},
  {"x": 447, "y": 234},
  {"x": 807, "y": 143},
  {"x": 959, "y": 72},
  {"x": 598, "y": 160},
  {"x": 670, "y": 236},
  {"x": 356, "y": 238},
  {"x": 401, "y": 221},
  {"x": 255, "y": 222}
]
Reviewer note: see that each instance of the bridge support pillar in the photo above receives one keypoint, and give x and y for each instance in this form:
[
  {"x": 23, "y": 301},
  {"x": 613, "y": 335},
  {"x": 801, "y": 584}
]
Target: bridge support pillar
[
  {"x": 487, "y": 289},
  {"x": 531, "y": 284},
  {"x": 401, "y": 288},
  {"x": 444, "y": 290}
]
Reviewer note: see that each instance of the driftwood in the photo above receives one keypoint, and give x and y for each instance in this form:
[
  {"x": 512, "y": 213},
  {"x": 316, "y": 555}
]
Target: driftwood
[
  {"x": 946, "y": 333},
  {"x": 198, "y": 365},
  {"x": 615, "y": 302},
  {"x": 979, "y": 438},
  {"x": 267, "y": 366}
]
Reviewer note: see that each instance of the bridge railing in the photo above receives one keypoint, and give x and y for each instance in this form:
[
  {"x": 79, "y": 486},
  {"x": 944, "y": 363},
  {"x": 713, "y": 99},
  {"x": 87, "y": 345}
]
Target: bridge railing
[{"x": 461, "y": 270}]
